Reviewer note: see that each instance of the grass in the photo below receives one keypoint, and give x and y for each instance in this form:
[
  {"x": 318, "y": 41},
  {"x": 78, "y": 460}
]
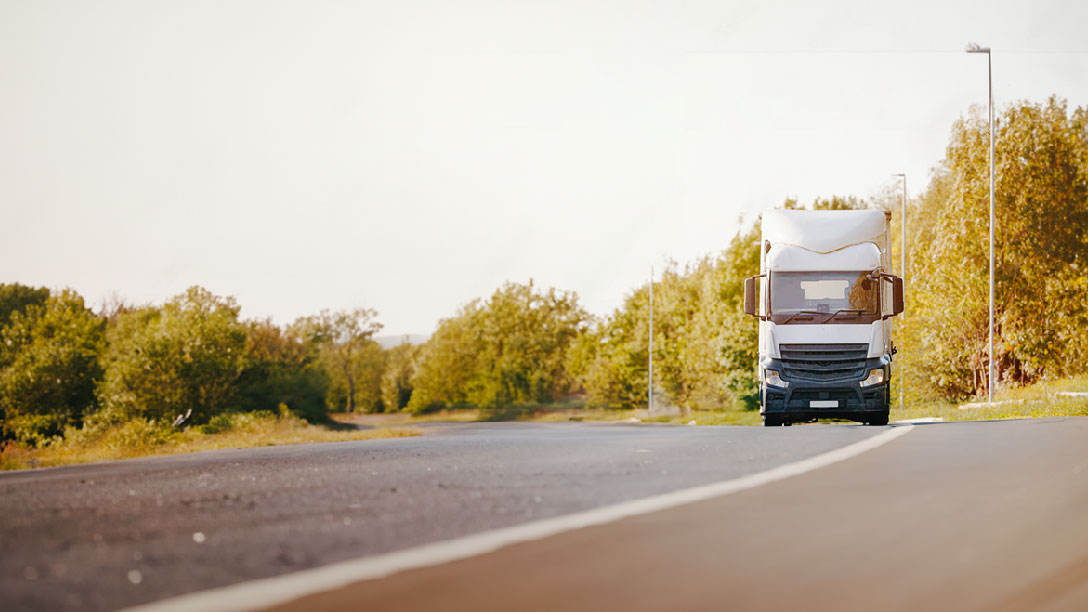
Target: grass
[
  {"x": 143, "y": 438},
  {"x": 1033, "y": 401}
]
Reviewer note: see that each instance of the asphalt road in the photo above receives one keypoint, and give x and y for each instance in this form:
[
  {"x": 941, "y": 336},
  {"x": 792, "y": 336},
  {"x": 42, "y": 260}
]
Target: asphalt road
[
  {"x": 950, "y": 516},
  {"x": 105, "y": 536}
]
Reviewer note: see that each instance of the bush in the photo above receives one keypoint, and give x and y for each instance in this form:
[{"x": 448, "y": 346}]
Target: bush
[
  {"x": 163, "y": 362},
  {"x": 48, "y": 366}
]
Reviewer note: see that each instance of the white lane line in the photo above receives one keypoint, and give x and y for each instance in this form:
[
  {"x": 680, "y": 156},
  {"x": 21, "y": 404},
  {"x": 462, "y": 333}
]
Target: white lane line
[
  {"x": 267, "y": 592},
  {"x": 921, "y": 420}
]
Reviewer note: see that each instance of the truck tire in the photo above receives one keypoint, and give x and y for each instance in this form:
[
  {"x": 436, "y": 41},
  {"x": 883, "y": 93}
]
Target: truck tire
[
  {"x": 773, "y": 421},
  {"x": 880, "y": 419}
]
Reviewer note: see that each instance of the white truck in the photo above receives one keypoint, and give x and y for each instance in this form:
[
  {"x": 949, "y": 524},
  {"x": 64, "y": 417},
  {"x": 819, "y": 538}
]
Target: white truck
[{"x": 824, "y": 298}]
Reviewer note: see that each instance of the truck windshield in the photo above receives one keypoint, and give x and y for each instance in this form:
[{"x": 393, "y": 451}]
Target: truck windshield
[{"x": 824, "y": 292}]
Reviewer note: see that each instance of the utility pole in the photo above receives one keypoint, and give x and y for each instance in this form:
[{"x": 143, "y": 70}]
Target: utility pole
[
  {"x": 903, "y": 259},
  {"x": 651, "y": 351}
]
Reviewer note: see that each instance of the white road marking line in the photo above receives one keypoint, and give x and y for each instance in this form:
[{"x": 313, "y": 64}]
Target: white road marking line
[
  {"x": 921, "y": 420},
  {"x": 267, "y": 592}
]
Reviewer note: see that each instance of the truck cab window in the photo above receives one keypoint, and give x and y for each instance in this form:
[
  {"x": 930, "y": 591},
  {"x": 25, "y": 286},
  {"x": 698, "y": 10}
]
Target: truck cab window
[{"x": 820, "y": 292}]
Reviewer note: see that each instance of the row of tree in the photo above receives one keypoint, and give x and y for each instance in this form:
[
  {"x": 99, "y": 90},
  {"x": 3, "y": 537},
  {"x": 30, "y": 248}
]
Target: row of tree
[
  {"x": 184, "y": 362},
  {"x": 1041, "y": 255},
  {"x": 62, "y": 365}
]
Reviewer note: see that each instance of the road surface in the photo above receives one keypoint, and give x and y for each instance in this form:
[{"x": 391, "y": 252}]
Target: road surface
[{"x": 949, "y": 516}]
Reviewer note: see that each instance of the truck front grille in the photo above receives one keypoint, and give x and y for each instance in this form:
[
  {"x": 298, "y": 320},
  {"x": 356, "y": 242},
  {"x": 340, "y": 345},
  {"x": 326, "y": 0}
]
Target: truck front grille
[{"x": 823, "y": 362}]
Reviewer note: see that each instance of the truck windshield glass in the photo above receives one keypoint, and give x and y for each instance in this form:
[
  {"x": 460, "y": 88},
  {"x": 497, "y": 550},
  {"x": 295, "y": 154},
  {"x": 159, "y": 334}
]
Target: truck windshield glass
[{"x": 823, "y": 292}]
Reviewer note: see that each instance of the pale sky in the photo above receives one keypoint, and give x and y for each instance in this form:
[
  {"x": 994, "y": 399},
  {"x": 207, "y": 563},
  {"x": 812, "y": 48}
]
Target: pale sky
[{"x": 412, "y": 155}]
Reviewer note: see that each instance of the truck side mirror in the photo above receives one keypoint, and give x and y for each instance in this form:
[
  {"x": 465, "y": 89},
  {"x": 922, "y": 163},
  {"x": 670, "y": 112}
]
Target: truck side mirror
[
  {"x": 897, "y": 295},
  {"x": 750, "y": 296}
]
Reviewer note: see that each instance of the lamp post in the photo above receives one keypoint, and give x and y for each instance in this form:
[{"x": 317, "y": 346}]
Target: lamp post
[
  {"x": 974, "y": 48},
  {"x": 903, "y": 258},
  {"x": 650, "y": 392},
  {"x": 903, "y": 253}
]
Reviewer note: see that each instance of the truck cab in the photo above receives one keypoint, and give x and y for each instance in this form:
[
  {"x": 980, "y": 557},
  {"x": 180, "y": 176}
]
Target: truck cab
[{"x": 825, "y": 301}]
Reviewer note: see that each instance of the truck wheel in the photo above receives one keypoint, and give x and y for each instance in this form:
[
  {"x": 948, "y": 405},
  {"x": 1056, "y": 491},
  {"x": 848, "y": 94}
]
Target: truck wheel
[
  {"x": 880, "y": 419},
  {"x": 771, "y": 420}
]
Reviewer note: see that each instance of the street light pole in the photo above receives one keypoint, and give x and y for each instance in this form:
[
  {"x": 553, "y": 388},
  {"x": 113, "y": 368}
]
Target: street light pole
[
  {"x": 974, "y": 48},
  {"x": 651, "y": 351},
  {"x": 903, "y": 253},
  {"x": 903, "y": 259}
]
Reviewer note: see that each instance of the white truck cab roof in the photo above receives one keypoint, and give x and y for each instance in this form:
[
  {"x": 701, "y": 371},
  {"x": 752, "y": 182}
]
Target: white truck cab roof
[{"x": 823, "y": 231}]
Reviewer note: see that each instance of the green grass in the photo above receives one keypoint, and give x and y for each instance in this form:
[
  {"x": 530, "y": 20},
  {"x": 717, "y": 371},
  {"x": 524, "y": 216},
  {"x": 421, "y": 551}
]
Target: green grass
[
  {"x": 1029, "y": 402},
  {"x": 139, "y": 438}
]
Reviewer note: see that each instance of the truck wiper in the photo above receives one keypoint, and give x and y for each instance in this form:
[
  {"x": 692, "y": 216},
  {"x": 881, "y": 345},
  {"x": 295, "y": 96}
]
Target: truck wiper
[
  {"x": 856, "y": 311},
  {"x": 801, "y": 312}
]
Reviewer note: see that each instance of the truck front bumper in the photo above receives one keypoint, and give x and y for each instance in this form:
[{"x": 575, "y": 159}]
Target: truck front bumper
[
  {"x": 805, "y": 400},
  {"x": 808, "y": 401}
]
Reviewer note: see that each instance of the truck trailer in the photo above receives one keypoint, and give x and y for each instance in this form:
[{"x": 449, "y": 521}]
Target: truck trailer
[{"x": 825, "y": 299}]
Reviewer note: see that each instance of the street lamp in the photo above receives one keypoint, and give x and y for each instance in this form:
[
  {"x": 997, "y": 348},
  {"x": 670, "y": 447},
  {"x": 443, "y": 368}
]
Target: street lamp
[
  {"x": 903, "y": 255},
  {"x": 974, "y": 48},
  {"x": 650, "y": 391},
  {"x": 903, "y": 265}
]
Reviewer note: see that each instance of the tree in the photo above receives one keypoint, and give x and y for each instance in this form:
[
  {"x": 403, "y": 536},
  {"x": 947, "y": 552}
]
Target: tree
[
  {"x": 281, "y": 370},
  {"x": 17, "y": 298},
  {"x": 705, "y": 348},
  {"x": 396, "y": 383},
  {"x": 162, "y": 362},
  {"x": 347, "y": 351},
  {"x": 839, "y": 203},
  {"x": 511, "y": 349},
  {"x": 448, "y": 364},
  {"x": 48, "y": 366},
  {"x": 1041, "y": 253}
]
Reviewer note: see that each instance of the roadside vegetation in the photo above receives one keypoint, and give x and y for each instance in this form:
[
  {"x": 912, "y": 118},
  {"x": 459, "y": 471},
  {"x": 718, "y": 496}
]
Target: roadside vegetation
[
  {"x": 142, "y": 438},
  {"x": 133, "y": 379},
  {"x": 1056, "y": 398}
]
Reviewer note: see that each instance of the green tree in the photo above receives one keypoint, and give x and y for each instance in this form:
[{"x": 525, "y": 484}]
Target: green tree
[
  {"x": 353, "y": 360},
  {"x": 840, "y": 203},
  {"x": 281, "y": 369},
  {"x": 1041, "y": 253},
  {"x": 48, "y": 367},
  {"x": 396, "y": 383},
  {"x": 17, "y": 298},
  {"x": 704, "y": 346},
  {"x": 511, "y": 349},
  {"x": 186, "y": 355},
  {"x": 448, "y": 364}
]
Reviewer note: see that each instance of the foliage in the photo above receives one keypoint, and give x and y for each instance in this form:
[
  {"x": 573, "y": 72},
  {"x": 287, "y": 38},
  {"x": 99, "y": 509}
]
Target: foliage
[
  {"x": 281, "y": 369},
  {"x": 162, "y": 362},
  {"x": 48, "y": 366},
  {"x": 16, "y": 298},
  {"x": 396, "y": 381},
  {"x": 141, "y": 437},
  {"x": 353, "y": 361},
  {"x": 704, "y": 346},
  {"x": 510, "y": 349},
  {"x": 1041, "y": 197},
  {"x": 840, "y": 203}
]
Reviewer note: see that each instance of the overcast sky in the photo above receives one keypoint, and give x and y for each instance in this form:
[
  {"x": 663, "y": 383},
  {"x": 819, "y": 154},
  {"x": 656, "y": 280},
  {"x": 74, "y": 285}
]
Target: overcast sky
[{"x": 410, "y": 155}]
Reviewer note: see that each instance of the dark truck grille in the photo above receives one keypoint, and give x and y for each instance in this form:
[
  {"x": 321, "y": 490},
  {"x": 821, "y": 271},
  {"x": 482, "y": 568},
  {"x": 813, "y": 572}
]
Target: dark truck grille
[{"x": 823, "y": 362}]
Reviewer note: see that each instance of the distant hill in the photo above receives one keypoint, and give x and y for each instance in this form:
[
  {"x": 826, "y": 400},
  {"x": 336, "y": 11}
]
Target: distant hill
[{"x": 391, "y": 341}]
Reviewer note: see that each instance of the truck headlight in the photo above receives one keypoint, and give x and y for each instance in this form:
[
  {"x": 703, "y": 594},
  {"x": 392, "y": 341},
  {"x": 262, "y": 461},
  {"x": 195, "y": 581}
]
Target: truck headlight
[
  {"x": 772, "y": 378},
  {"x": 875, "y": 378}
]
